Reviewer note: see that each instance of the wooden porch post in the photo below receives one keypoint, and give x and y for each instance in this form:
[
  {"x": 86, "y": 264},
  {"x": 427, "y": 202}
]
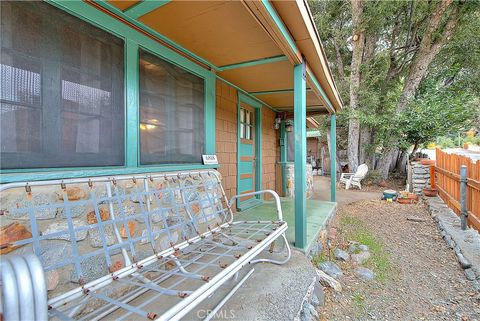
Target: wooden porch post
[
  {"x": 299, "y": 126},
  {"x": 333, "y": 157}
]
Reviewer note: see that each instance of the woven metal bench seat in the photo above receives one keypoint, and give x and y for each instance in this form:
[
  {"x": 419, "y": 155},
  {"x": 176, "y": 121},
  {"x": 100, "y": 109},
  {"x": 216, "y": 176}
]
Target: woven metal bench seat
[{"x": 128, "y": 247}]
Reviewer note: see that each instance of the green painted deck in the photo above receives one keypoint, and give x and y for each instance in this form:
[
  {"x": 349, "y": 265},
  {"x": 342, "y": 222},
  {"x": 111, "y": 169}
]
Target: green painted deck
[{"x": 318, "y": 215}]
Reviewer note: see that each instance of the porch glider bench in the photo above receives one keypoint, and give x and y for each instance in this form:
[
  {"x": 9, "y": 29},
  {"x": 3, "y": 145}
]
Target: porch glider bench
[{"x": 136, "y": 247}]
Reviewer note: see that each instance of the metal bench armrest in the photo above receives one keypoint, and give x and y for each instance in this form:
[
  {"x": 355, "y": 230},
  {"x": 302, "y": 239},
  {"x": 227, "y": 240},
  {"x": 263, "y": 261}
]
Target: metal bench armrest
[{"x": 269, "y": 191}]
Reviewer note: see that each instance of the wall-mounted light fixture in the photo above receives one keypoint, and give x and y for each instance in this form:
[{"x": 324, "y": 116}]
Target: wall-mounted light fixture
[
  {"x": 289, "y": 125},
  {"x": 276, "y": 123}
]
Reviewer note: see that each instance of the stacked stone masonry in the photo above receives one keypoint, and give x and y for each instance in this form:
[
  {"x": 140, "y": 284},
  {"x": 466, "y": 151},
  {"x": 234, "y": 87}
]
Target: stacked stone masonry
[{"x": 420, "y": 177}]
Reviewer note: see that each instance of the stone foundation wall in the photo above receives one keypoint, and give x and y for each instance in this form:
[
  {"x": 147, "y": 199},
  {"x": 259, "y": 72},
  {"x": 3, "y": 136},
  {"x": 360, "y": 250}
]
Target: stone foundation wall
[
  {"x": 290, "y": 173},
  {"x": 419, "y": 177}
]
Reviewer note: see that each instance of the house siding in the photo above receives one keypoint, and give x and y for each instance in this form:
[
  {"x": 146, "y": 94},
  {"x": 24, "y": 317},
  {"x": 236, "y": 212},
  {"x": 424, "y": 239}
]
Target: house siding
[
  {"x": 226, "y": 135},
  {"x": 226, "y": 130},
  {"x": 270, "y": 150}
]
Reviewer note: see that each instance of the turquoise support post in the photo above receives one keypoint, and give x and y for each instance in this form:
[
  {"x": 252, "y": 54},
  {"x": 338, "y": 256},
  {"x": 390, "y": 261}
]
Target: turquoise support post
[
  {"x": 333, "y": 157},
  {"x": 300, "y": 130}
]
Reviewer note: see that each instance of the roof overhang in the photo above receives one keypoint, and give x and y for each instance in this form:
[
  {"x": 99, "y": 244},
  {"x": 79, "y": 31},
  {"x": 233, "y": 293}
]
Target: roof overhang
[{"x": 252, "y": 45}]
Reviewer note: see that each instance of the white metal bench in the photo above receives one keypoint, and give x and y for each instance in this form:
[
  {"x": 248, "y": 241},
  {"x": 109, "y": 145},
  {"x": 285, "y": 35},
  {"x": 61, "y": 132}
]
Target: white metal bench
[{"x": 128, "y": 247}]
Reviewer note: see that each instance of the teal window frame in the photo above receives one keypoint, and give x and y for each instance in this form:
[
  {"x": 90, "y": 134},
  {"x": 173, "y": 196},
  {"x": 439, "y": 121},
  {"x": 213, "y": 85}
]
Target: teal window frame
[{"x": 133, "y": 41}]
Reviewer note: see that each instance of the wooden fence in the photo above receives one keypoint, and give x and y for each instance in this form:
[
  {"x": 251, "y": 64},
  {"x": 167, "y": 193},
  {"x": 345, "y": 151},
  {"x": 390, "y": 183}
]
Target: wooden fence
[{"x": 447, "y": 182}]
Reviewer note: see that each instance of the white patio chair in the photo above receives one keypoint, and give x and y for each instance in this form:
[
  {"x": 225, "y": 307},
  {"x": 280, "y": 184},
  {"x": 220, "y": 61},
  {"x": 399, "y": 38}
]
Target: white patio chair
[{"x": 354, "y": 179}]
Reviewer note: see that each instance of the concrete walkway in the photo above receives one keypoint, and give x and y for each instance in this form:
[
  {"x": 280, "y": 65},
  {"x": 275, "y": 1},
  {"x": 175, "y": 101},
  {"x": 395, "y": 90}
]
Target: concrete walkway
[
  {"x": 321, "y": 191},
  {"x": 276, "y": 292}
]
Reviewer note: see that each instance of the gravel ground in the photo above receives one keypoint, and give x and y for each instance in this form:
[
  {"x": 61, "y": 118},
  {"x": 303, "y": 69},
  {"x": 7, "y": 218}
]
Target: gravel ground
[{"x": 423, "y": 281}]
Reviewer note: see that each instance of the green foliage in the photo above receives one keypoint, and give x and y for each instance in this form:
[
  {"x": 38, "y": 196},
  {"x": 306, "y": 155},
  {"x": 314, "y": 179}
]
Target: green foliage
[
  {"x": 447, "y": 97},
  {"x": 437, "y": 111},
  {"x": 353, "y": 229}
]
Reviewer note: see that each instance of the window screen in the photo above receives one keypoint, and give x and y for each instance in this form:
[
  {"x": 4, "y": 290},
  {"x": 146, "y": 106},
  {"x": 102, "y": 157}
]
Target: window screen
[
  {"x": 61, "y": 97},
  {"x": 171, "y": 113}
]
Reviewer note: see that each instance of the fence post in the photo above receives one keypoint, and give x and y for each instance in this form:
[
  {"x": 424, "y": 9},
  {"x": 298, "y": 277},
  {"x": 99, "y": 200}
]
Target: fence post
[{"x": 463, "y": 196}]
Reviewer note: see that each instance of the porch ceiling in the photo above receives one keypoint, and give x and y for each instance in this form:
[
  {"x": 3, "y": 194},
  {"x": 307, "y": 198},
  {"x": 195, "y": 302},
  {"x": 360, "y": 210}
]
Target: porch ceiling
[{"x": 228, "y": 35}]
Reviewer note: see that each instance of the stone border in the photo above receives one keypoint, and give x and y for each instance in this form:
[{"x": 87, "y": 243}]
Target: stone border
[
  {"x": 313, "y": 299},
  {"x": 466, "y": 244}
]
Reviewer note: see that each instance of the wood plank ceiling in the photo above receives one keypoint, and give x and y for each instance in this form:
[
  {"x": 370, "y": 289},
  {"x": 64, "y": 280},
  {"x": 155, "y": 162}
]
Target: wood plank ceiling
[{"x": 226, "y": 34}]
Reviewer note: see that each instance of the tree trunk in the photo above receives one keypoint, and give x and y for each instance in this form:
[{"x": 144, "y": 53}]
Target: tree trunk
[
  {"x": 335, "y": 159},
  {"x": 365, "y": 141},
  {"x": 385, "y": 161},
  {"x": 428, "y": 50},
  {"x": 430, "y": 46},
  {"x": 402, "y": 163},
  {"x": 358, "y": 44}
]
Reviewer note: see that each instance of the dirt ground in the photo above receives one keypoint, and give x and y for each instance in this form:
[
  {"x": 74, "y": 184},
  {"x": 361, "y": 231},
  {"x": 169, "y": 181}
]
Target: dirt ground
[{"x": 417, "y": 274}]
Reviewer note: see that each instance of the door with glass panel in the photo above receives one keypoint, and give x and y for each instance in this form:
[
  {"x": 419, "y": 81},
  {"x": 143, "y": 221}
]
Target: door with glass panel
[{"x": 247, "y": 156}]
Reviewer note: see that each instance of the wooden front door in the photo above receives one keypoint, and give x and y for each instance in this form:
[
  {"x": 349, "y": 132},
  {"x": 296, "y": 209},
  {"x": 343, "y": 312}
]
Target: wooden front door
[{"x": 247, "y": 156}]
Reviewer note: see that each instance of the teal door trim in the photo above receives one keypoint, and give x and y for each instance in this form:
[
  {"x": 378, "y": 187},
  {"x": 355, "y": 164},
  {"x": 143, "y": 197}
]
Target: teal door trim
[
  {"x": 258, "y": 149},
  {"x": 300, "y": 130},
  {"x": 333, "y": 154}
]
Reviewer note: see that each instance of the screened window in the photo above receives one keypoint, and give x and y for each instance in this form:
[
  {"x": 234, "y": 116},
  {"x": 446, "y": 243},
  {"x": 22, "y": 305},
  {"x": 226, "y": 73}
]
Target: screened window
[
  {"x": 61, "y": 97},
  {"x": 246, "y": 124},
  {"x": 171, "y": 113}
]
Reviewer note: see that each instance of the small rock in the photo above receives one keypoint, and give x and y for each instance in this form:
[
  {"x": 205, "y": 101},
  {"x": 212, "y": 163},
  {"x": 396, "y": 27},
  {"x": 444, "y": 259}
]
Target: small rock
[
  {"x": 316, "y": 249},
  {"x": 91, "y": 268},
  {"x": 449, "y": 241},
  {"x": 318, "y": 294},
  {"x": 353, "y": 247},
  {"x": 361, "y": 257},
  {"x": 464, "y": 263},
  {"x": 327, "y": 280},
  {"x": 95, "y": 236},
  {"x": 116, "y": 266},
  {"x": 12, "y": 233},
  {"x": 16, "y": 208},
  {"x": 314, "y": 300},
  {"x": 63, "y": 227},
  {"x": 54, "y": 252},
  {"x": 341, "y": 255},
  {"x": 364, "y": 273},
  {"x": 415, "y": 219},
  {"x": 331, "y": 269},
  {"x": 363, "y": 248},
  {"x": 75, "y": 211},
  {"x": 305, "y": 315},
  {"x": 51, "y": 278},
  {"x": 313, "y": 311},
  {"x": 131, "y": 229},
  {"x": 73, "y": 194},
  {"x": 470, "y": 274},
  {"x": 102, "y": 211}
]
